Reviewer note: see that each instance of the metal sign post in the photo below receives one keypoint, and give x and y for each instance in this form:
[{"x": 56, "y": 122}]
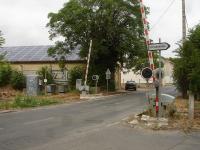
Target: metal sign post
[
  {"x": 108, "y": 77},
  {"x": 147, "y": 73},
  {"x": 158, "y": 47},
  {"x": 96, "y": 79}
]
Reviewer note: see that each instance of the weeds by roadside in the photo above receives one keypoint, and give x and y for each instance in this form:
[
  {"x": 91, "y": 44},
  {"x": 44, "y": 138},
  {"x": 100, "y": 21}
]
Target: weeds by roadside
[{"x": 27, "y": 102}]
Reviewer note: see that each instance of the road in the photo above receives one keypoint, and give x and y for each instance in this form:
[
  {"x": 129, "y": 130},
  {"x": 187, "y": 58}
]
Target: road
[{"x": 87, "y": 126}]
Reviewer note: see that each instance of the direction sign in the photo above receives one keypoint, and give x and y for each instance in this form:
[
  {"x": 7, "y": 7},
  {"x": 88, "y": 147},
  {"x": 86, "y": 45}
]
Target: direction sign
[
  {"x": 108, "y": 73},
  {"x": 147, "y": 73},
  {"x": 158, "y": 46}
]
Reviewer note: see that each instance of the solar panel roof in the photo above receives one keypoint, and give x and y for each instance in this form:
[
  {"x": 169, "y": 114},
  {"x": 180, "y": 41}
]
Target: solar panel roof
[{"x": 34, "y": 54}]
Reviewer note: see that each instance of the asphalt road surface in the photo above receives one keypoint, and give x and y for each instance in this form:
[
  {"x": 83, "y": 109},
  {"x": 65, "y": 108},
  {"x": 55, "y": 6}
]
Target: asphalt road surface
[{"x": 90, "y": 125}]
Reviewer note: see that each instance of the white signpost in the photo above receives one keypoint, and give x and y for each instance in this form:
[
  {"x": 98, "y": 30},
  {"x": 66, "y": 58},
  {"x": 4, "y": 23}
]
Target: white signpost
[
  {"x": 96, "y": 79},
  {"x": 108, "y": 77}
]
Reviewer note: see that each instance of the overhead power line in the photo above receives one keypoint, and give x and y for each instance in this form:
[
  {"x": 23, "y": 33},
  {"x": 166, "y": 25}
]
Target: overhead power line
[{"x": 163, "y": 14}]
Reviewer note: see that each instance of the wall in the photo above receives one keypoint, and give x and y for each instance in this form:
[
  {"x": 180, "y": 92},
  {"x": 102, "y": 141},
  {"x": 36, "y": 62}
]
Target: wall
[
  {"x": 168, "y": 70},
  {"x": 168, "y": 78},
  {"x": 32, "y": 68}
]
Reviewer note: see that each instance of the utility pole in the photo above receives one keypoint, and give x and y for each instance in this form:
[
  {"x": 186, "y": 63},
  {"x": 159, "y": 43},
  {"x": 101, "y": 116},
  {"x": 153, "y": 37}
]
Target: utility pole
[
  {"x": 183, "y": 21},
  {"x": 160, "y": 83},
  {"x": 191, "y": 95}
]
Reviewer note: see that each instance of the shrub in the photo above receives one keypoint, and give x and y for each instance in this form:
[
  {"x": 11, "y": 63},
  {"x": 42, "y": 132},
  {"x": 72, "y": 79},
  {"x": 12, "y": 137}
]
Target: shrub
[
  {"x": 27, "y": 101},
  {"x": 172, "y": 110},
  {"x": 5, "y": 73},
  {"x": 76, "y": 73},
  {"x": 18, "y": 80},
  {"x": 45, "y": 72}
]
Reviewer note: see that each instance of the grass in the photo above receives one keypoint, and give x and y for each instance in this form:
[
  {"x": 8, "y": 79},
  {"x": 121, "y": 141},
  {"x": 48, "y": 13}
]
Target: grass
[
  {"x": 27, "y": 102},
  {"x": 197, "y": 105}
]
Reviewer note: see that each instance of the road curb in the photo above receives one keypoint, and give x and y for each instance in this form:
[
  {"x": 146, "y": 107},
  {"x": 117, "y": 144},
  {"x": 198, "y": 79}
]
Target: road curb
[
  {"x": 88, "y": 99},
  {"x": 104, "y": 96},
  {"x": 7, "y": 111}
]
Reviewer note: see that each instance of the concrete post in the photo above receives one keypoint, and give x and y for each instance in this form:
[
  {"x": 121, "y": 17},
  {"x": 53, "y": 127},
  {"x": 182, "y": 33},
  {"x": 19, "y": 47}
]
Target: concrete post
[{"x": 191, "y": 106}]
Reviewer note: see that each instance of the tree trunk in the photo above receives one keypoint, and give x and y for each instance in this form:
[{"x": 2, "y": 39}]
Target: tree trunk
[
  {"x": 184, "y": 94},
  {"x": 191, "y": 106}
]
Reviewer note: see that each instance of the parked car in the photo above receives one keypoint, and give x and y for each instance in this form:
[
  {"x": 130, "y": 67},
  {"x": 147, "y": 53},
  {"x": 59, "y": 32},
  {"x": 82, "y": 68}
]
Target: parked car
[{"x": 131, "y": 85}]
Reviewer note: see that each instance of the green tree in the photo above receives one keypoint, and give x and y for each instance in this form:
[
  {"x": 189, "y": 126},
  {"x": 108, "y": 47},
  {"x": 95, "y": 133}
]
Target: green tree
[
  {"x": 186, "y": 67},
  {"x": 18, "y": 80},
  {"x": 5, "y": 73},
  {"x": 114, "y": 26},
  {"x": 46, "y": 73},
  {"x": 75, "y": 73},
  {"x": 2, "y": 40}
]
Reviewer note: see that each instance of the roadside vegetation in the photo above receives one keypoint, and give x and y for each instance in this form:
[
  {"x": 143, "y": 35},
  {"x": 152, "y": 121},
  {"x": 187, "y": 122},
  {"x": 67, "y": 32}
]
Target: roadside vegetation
[
  {"x": 186, "y": 66},
  {"x": 27, "y": 102}
]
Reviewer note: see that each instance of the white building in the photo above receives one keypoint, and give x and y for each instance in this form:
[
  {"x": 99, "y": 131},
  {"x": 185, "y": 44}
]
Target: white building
[{"x": 168, "y": 74}]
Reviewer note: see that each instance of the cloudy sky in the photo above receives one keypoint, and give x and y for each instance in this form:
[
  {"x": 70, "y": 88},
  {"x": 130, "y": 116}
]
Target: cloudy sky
[{"x": 23, "y": 21}]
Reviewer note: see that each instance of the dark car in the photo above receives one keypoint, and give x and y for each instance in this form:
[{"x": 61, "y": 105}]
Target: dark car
[{"x": 131, "y": 85}]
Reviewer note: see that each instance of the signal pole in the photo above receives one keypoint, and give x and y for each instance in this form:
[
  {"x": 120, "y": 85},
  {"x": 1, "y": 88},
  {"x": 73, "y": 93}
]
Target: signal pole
[{"x": 183, "y": 21}]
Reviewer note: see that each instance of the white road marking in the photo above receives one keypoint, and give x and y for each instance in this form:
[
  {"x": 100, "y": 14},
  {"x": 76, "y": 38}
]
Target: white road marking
[
  {"x": 112, "y": 124},
  {"x": 38, "y": 121},
  {"x": 125, "y": 119}
]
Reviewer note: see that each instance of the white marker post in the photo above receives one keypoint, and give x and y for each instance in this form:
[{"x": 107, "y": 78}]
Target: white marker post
[{"x": 108, "y": 77}]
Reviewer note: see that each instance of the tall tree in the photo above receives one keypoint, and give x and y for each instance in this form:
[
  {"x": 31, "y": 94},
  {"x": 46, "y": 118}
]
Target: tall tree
[
  {"x": 2, "y": 40},
  {"x": 115, "y": 27},
  {"x": 186, "y": 67}
]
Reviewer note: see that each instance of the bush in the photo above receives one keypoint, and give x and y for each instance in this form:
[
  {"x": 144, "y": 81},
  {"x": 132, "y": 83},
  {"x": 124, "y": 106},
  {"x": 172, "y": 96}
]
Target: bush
[
  {"x": 18, "y": 80},
  {"x": 5, "y": 73},
  {"x": 76, "y": 73},
  {"x": 45, "y": 72}
]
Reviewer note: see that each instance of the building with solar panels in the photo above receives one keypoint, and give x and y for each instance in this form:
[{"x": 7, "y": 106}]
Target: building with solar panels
[{"x": 29, "y": 59}]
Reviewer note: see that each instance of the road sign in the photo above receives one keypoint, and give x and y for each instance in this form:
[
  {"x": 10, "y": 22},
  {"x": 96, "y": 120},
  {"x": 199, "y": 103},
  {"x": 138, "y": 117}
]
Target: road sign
[
  {"x": 156, "y": 73},
  {"x": 147, "y": 73},
  {"x": 95, "y": 77},
  {"x": 45, "y": 80},
  {"x": 158, "y": 46},
  {"x": 108, "y": 73}
]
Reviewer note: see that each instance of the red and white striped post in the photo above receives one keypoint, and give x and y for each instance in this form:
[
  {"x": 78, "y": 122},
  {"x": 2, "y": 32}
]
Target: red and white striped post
[
  {"x": 150, "y": 54},
  {"x": 88, "y": 63},
  {"x": 146, "y": 33}
]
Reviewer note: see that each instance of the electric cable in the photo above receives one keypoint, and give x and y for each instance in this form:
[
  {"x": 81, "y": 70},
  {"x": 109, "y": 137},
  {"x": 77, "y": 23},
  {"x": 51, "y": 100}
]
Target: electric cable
[{"x": 163, "y": 14}]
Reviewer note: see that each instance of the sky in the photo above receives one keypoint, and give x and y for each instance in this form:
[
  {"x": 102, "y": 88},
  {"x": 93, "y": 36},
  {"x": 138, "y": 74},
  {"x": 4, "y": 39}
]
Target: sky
[{"x": 23, "y": 22}]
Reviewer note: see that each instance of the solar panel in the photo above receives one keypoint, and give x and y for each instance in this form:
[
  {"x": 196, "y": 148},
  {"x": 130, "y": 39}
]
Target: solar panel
[{"x": 34, "y": 54}]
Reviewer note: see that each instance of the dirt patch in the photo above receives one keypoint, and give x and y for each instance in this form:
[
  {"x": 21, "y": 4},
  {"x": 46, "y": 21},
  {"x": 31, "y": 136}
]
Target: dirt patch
[
  {"x": 8, "y": 93},
  {"x": 179, "y": 121},
  {"x": 65, "y": 97},
  {"x": 113, "y": 93}
]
